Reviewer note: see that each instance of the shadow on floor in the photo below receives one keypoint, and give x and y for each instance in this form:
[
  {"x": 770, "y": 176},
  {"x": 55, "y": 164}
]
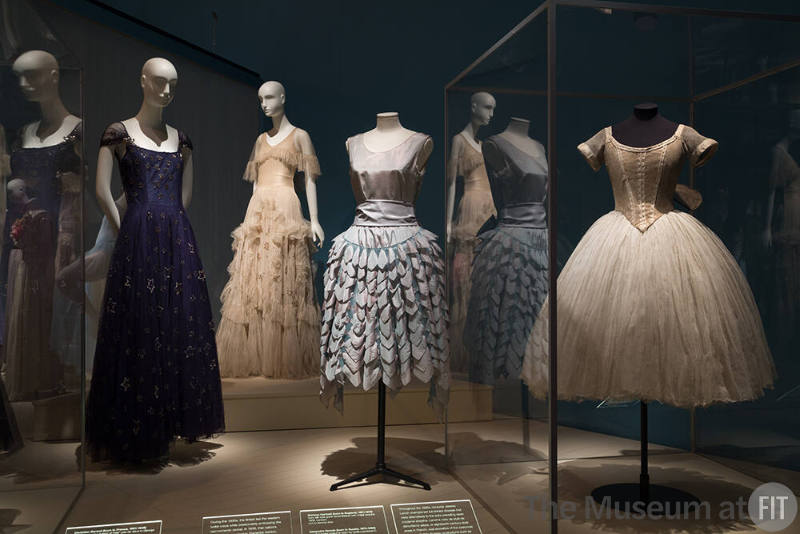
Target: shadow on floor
[
  {"x": 416, "y": 457},
  {"x": 7, "y": 518},
  {"x": 181, "y": 454},
  {"x": 468, "y": 448},
  {"x": 577, "y": 480}
]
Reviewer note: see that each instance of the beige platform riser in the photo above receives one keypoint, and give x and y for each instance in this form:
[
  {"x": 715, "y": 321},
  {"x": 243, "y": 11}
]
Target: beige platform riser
[{"x": 360, "y": 409}]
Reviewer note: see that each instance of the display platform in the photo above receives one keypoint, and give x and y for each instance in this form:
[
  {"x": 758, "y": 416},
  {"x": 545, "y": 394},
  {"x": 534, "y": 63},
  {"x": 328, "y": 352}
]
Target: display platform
[
  {"x": 262, "y": 471},
  {"x": 257, "y": 403}
]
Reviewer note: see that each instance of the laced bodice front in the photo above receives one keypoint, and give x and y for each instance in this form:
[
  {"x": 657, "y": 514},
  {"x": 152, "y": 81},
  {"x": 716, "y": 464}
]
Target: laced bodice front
[{"x": 644, "y": 178}]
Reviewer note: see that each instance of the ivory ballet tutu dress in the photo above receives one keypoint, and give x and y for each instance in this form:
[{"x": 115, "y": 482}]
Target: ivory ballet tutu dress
[
  {"x": 474, "y": 208},
  {"x": 651, "y": 305},
  {"x": 385, "y": 311},
  {"x": 270, "y": 316},
  {"x": 510, "y": 272}
]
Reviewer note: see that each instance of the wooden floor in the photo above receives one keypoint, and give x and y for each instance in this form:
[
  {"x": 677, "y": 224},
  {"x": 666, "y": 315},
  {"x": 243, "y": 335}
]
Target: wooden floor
[{"x": 248, "y": 472}]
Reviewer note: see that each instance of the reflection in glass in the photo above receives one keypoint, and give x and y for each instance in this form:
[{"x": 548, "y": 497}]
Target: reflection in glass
[
  {"x": 474, "y": 208},
  {"x": 41, "y": 236},
  {"x": 510, "y": 270},
  {"x": 783, "y": 226}
]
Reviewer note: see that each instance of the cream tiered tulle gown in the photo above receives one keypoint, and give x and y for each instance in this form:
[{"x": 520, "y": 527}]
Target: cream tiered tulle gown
[
  {"x": 474, "y": 208},
  {"x": 651, "y": 305},
  {"x": 270, "y": 316}
]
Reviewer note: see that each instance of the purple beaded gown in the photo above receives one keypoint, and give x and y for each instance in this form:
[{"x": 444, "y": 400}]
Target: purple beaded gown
[{"x": 155, "y": 375}]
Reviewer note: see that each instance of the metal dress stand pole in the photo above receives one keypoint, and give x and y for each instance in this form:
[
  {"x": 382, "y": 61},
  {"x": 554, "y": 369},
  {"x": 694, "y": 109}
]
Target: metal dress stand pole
[
  {"x": 620, "y": 495},
  {"x": 380, "y": 466}
]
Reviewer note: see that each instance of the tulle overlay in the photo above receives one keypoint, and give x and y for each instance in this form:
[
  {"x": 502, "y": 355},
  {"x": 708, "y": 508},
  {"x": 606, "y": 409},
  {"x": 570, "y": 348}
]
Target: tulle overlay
[
  {"x": 664, "y": 315},
  {"x": 270, "y": 318},
  {"x": 155, "y": 371},
  {"x": 509, "y": 284},
  {"x": 385, "y": 314}
]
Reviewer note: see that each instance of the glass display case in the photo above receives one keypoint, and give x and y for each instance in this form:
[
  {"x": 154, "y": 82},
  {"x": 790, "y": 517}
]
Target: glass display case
[
  {"x": 41, "y": 270},
  {"x": 574, "y": 69}
]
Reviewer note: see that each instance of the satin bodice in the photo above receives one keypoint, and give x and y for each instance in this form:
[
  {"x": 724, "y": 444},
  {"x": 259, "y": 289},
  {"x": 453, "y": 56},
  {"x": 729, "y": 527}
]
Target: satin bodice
[
  {"x": 644, "y": 179},
  {"x": 393, "y": 174},
  {"x": 149, "y": 177},
  {"x": 518, "y": 181}
]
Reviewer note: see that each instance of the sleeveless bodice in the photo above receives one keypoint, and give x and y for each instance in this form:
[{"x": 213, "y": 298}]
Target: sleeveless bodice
[
  {"x": 149, "y": 177},
  {"x": 518, "y": 181},
  {"x": 392, "y": 174},
  {"x": 472, "y": 168},
  {"x": 644, "y": 179}
]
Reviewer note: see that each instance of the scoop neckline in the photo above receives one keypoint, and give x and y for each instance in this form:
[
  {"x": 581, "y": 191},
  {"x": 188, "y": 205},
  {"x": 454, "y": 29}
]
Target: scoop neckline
[
  {"x": 64, "y": 139},
  {"x": 660, "y": 144},
  {"x": 267, "y": 137},
  {"x": 132, "y": 142},
  {"x": 398, "y": 145}
]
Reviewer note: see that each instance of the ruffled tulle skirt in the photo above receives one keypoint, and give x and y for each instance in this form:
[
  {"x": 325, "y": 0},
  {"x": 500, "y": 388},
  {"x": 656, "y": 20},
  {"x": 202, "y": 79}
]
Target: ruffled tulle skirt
[
  {"x": 270, "y": 317},
  {"x": 509, "y": 284},
  {"x": 474, "y": 209},
  {"x": 384, "y": 314},
  {"x": 662, "y": 315}
]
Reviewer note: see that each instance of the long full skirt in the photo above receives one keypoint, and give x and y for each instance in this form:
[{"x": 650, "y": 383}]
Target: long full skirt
[
  {"x": 270, "y": 317},
  {"x": 155, "y": 375}
]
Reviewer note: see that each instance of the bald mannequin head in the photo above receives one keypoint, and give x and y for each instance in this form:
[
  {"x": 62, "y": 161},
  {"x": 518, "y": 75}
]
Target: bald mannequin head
[
  {"x": 159, "y": 79},
  {"x": 482, "y": 106},
  {"x": 37, "y": 72},
  {"x": 272, "y": 98},
  {"x": 16, "y": 191}
]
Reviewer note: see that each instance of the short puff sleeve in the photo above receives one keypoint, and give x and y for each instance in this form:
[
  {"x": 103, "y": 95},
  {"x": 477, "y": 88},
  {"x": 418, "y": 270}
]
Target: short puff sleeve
[
  {"x": 114, "y": 134},
  {"x": 699, "y": 148},
  {"x": 593, "y": 150},
  {"x": 184, "y": 141}
]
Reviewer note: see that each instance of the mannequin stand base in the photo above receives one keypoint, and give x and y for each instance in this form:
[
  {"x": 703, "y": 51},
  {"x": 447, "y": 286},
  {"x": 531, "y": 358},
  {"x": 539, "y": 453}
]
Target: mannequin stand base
[
  {"x": 381, "y": 469},
  {"x": 622, "y": 497}
]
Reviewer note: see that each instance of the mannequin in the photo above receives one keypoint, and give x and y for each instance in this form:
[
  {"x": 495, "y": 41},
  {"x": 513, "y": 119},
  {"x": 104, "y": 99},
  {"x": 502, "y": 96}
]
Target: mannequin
[
  {"x": 156, "y": 330},
  {"x": 646, "y": 127},
  {"x": 509, "y": 278},
  {"x": 385, "y": 312},
  {"x": 32, "y": 368},
  {"x": 38, "y": 75},
  {"x": 482, "y": 107},
  {"x": 272, "y": 97},
  {"x": 475, "y": 207},
  {"x": 47, "y": 156},
  {"x": 781, "y": 234},
  {"x": 148, "y": 130},
  {"x": 270, "y": 315}
]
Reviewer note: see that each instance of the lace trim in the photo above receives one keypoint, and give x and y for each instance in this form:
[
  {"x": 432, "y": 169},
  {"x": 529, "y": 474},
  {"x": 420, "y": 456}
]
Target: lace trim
[{"x": 306, "y": 163}]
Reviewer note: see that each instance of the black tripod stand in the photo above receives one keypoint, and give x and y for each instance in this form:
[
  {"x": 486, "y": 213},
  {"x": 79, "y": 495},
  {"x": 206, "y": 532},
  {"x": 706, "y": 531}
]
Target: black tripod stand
[
  {"x": 380, "y": 466},
  {"x": 623, "y": 495}
]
